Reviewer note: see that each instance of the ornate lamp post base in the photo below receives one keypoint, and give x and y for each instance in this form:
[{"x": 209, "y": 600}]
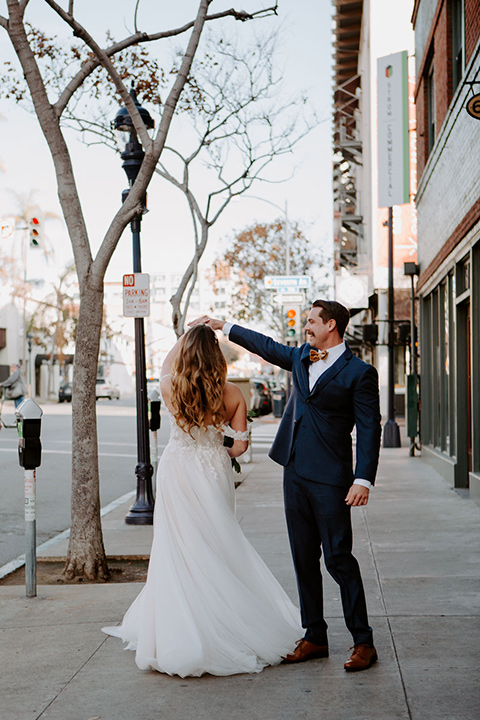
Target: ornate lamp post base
[{"x": 141, "y": 512}]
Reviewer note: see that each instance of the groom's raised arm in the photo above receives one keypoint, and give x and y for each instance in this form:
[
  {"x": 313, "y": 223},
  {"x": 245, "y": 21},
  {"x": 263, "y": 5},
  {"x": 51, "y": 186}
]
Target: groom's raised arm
[{"x": 268, "y": 349}]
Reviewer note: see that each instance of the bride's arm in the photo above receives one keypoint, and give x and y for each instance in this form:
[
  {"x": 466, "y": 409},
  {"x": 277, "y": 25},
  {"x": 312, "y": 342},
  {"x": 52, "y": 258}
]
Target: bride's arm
[
  {"x": 236, "y": 407},
  {"x": 168, "y": 362}
]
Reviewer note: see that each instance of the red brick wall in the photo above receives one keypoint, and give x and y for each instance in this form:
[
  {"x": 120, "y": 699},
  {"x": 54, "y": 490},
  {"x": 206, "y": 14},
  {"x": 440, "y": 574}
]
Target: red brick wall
[
  {"x": 440, "y": 46},
  {"x": 443, "y": 64},
  {"x": 472, "y": 27}
]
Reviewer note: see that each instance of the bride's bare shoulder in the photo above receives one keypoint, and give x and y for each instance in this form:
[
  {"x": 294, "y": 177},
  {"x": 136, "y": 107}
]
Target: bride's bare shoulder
[{"x": 232, "y": 396}]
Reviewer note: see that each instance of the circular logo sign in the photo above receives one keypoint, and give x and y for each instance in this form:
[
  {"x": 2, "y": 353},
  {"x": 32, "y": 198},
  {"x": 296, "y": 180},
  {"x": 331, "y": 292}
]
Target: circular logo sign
[{"x": 473, "y": 107}]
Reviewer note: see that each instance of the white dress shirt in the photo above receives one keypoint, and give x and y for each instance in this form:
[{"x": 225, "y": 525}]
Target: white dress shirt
[{"x": 315, "y": 370}]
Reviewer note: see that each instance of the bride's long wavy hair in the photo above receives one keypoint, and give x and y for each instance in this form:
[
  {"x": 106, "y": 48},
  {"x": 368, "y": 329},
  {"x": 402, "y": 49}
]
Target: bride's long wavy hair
[{"x": 199, "y": 374}]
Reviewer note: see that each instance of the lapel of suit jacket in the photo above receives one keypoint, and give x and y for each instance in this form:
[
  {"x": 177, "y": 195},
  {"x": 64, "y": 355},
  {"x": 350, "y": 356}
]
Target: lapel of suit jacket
[
  {"x": 303, "y": 370},
  {"x": 333, "y": 370}
]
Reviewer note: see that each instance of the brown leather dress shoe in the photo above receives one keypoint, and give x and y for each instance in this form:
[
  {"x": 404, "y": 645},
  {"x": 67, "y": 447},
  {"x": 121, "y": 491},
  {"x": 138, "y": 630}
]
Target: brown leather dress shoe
[
  {"x": 362, "y": 657},
  {"x": 306, "y": 651}
]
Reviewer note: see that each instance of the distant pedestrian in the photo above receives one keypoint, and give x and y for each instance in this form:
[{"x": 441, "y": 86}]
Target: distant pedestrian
[{"x": 15, "y": 386}]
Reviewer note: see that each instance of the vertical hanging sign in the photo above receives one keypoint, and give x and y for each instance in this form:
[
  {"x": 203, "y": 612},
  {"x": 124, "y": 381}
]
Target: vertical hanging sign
[{"x": 393, "y": 139}]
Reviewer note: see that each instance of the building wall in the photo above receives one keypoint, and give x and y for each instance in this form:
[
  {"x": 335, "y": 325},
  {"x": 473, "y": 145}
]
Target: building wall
[
  {"x": 449, "y": 184},
  {"x": 448, "y": 205},
  {"x": 472, "y": 28}
]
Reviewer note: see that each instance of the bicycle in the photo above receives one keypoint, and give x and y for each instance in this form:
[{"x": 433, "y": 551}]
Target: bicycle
[{"x": 3, "y": 423}]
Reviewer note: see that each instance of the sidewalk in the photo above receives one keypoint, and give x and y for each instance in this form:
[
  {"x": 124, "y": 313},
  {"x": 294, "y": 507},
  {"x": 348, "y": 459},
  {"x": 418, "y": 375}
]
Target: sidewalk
[{"x": 417, "y": 543}]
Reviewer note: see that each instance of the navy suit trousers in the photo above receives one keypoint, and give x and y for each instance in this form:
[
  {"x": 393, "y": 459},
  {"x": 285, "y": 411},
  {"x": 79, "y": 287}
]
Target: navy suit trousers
[{"x": 319, "y": 519}]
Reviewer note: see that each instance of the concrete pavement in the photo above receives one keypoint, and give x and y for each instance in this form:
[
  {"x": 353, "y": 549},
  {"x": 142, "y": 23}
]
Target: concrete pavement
[{"x": 417, "y": 543}]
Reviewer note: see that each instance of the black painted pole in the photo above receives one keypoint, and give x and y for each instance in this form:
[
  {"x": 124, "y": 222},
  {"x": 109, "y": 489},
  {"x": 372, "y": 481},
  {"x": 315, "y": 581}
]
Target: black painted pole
[
  {"x": 391, "y": 431},
  {"x": 141, "y": 512}
]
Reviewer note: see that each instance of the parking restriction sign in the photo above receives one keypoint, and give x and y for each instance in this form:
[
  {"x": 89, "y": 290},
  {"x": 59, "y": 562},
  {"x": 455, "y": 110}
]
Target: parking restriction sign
[{"x": 136, "y": 295}]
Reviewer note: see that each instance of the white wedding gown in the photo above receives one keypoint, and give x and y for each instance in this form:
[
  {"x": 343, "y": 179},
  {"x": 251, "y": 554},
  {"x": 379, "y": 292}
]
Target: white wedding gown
[{"x": 210, "y": 604}]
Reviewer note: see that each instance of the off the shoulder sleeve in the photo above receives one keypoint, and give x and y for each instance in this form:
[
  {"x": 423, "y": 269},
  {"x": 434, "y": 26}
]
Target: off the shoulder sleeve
[{"x": 235, "y": 434}]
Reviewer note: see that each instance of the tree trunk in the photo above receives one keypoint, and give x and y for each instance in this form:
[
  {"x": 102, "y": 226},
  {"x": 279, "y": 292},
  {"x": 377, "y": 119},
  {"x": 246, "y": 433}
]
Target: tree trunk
[{"x": 86, "y": 552}]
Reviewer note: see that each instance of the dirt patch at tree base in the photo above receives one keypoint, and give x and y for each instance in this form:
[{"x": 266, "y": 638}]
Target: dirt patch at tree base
[{"x": 50, "y": 572}]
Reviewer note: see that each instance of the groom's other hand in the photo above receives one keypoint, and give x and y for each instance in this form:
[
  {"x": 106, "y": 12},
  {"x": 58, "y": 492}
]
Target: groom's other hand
[
  {"x": 357, "y": 495},
  {"x": 211, "y": 322}
]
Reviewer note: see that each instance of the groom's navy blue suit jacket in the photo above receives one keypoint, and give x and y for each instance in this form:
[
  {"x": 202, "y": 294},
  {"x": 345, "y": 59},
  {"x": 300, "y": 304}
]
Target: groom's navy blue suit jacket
[{"x": 320, "y": 422}]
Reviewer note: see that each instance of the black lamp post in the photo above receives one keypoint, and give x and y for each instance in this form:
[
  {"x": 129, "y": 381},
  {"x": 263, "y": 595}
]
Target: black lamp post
[
  {"x": 391, "y": 430},
  {"x": 141, "y": 512}
]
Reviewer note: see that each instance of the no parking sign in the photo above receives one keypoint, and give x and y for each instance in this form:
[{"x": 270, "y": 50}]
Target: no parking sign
[{"x": 136, "y": 295}]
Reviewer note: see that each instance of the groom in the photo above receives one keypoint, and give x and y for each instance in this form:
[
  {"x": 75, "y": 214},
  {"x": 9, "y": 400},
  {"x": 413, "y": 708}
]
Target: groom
[{"x": 332, "y": 391}]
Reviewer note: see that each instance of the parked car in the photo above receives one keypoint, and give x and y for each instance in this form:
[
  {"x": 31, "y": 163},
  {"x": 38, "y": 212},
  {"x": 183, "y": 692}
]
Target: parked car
[
  {"x": 104, "y": 389},
  {"x": 65, "y": 392},
  {"x": 260, "y": 396}
]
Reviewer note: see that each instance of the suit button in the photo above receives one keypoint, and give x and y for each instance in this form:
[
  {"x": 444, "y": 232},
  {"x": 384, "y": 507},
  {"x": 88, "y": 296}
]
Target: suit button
[{"x": 307, "y": 400}]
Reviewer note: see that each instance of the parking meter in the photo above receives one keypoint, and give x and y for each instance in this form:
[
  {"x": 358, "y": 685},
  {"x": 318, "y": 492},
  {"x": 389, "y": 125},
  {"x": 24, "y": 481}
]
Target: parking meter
[
  {"x": 29, "y": 421},
  {"x": 155, "y": 404},
  {"x": 29, "y": 416},
  {"x": 154, "y": 425}
]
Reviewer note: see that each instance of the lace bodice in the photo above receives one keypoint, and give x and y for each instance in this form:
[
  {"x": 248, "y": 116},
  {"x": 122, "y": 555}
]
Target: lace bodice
[{"x": 209, "y": 437}]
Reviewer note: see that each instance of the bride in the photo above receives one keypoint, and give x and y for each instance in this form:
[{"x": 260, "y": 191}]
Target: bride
[{"x": 210, "y": 604}]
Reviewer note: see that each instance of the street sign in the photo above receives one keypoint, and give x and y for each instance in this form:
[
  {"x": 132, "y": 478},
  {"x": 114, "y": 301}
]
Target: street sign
[
  {"x": 284, "y": 283},
  {"x": 136, "y": 295},
  {"x": 288, "y": 298}
]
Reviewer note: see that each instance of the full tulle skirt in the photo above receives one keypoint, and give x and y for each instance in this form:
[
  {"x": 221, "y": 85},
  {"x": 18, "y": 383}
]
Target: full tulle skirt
[{"x": 210, "y": 604}]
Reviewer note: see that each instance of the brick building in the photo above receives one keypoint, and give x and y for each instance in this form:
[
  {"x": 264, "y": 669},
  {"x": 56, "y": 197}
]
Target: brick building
[{"x": 447, "y": 53}]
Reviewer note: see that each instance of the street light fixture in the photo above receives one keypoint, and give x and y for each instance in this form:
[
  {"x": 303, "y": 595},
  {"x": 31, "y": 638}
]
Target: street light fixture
[{"x": 132, "y": 154}]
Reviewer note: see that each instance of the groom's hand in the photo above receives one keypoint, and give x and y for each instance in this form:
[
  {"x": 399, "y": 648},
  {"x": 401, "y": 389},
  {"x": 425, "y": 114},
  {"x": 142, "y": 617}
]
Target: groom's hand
[
  {"x": 211, "y": 322},
  {"x": 357, "y": 495}
]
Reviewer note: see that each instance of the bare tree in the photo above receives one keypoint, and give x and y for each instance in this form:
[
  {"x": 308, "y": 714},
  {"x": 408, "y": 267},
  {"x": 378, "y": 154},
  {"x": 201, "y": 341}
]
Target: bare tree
[
  {"x": 86, "y": 553},
  {"x": 235, "y": 127}
]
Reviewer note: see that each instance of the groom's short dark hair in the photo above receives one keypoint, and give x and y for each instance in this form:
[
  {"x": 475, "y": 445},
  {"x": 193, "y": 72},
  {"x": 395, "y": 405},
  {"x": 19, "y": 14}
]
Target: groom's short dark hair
[{"x": 332, "y": 310}]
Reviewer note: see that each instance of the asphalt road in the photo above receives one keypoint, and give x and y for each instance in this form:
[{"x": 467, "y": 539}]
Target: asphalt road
[{"x": 117, "y": 459}]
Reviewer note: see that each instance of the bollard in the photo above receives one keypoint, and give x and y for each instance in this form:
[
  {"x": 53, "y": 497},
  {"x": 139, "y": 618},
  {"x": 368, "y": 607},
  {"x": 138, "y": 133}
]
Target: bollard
[
  {"x": 30, "y": 457},
  {"x": 154, "y": 424}
]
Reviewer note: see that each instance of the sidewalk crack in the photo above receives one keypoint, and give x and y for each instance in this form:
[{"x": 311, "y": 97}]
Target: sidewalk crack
[
  {"x": 387, "y": 617},
  {"x": 38, "y": 717}
]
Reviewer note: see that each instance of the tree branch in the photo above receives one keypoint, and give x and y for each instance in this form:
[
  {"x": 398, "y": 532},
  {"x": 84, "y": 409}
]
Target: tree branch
[
  {"x": 79, "y": 31},
  {"x": 143, "y": 37},
  {"x": 152, "y": 155}
]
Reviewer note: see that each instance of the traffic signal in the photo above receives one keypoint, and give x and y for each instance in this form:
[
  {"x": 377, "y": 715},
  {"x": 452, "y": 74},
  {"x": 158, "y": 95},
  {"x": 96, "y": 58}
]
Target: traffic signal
[
  {"x": 292, "y": 323},
  {"x": 35, "y": 231}
]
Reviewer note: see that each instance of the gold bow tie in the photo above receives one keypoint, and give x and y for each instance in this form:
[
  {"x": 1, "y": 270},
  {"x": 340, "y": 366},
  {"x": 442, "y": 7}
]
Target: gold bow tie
[{"x": 318, "y": 355}]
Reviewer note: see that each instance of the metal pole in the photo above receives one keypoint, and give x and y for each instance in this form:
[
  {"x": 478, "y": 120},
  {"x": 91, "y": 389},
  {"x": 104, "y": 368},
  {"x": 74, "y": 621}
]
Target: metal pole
[
  {"x": 391, "y": 431},
  {"x": 413, "y": 359},
  {"x": 30, "y": 534},
  {"x": 141, "y": 512},
  {"x": 413, "y": 331},
  {"x": 287, "y": 242}
]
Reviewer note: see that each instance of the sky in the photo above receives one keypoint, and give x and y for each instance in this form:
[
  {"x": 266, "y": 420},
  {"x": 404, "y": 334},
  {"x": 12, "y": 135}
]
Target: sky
[{"x": 304, "y": 59}]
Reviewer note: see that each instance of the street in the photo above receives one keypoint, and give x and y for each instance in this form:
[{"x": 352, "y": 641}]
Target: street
[{"x": 117, "y": 459}]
